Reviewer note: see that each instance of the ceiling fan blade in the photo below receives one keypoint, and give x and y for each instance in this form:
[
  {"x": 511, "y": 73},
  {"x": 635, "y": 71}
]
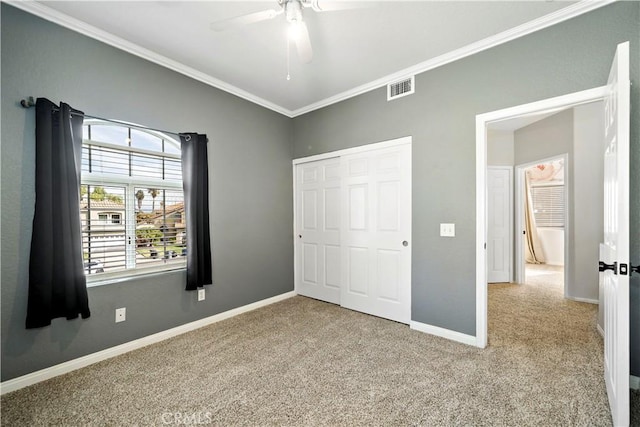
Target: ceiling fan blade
[
  {"x": 303, "y": 44},
  {"x": 250, "y": 18},
  {"x": 335, "y": 5}
]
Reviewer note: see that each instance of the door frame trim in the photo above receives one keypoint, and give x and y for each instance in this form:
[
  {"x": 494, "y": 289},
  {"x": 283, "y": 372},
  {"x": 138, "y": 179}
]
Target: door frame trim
[{"x": 482, "y": 121}]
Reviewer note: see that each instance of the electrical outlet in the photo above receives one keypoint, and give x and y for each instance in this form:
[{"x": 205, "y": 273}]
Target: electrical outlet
[
  {"x": 447, "y": 230},
  {"x": 121, "y": 314},
  {"x": 200, "y": 294}
]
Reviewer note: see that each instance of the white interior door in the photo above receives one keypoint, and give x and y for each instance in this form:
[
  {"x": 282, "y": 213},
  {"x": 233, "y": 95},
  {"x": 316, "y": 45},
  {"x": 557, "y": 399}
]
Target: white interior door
[
  {"x": 615, "y": 249},
  {"x": 499, "y": 224},
  {"x": 376, "y": 218},
  {"x": 318, "y": 230}
]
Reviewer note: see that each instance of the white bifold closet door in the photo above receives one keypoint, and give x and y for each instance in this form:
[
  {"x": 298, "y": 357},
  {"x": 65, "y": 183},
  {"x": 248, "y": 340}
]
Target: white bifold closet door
[
  {"x": 318, "y": 227},
  {"x": 376, "y": 232},
  {"x": 353, "y": 226}
]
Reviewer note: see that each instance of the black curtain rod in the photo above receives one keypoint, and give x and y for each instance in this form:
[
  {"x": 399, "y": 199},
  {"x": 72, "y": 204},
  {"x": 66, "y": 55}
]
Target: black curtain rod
[{"x": 29, "y": 102}]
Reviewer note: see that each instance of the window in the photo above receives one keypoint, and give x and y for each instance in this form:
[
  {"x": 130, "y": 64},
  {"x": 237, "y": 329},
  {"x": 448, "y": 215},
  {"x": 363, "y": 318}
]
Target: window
[
  {"x": 548, "y": 205},
  {"x": 132, "y": 205},
  {"x": 106, "y": 218}
]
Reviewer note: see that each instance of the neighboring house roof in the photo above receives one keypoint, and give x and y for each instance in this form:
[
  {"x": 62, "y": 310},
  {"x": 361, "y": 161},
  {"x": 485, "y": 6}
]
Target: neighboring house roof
[
  {"x": 177, "y": 207},
  {"x": 103, "y": 204}
]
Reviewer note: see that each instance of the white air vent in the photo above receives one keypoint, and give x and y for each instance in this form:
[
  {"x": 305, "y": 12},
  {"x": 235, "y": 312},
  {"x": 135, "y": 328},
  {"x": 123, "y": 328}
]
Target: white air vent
[{"x": 401, "y": 88}]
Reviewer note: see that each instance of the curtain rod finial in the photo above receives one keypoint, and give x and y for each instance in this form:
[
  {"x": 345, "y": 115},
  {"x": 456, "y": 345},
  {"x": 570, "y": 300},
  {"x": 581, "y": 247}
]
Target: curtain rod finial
[{"x": 27, "y": 103}]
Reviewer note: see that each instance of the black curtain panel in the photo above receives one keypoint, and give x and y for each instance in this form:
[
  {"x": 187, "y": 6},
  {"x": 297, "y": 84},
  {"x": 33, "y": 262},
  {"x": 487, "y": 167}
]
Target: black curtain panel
[
  {"x": 195, "y": 179},
  {"x": 57, "y": 285}
]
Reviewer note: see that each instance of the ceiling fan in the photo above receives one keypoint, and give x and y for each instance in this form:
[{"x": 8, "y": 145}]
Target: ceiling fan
[{"x": 292, "y": 9}]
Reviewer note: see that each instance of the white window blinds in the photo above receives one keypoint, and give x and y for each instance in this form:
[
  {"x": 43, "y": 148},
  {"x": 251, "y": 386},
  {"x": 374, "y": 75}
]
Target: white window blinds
[{"x": 549, "y": 205}]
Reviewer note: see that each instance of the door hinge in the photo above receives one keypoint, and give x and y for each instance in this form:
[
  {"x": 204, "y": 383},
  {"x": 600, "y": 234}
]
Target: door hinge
[{"x": 602, "y": 266}]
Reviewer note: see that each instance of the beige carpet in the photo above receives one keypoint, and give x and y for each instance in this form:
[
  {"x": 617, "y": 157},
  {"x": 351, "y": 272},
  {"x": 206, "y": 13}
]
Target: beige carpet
[
  {"x": 305, "y": 362},
  {"x": 546, "y": 275}
]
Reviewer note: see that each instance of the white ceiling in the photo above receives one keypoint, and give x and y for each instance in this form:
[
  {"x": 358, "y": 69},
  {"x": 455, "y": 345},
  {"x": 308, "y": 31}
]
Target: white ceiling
[{"x": 354, "y": 50}]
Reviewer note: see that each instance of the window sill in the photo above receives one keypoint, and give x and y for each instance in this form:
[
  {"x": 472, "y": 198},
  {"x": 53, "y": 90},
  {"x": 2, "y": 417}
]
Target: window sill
[{"x": 129, "y": 276}]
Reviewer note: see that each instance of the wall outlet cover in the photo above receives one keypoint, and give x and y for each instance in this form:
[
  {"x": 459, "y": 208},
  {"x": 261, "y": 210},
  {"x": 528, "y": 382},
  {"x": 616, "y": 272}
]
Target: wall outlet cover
[
  {"x": 121, "y": 314},
  {"x": 201, "y": 295}
]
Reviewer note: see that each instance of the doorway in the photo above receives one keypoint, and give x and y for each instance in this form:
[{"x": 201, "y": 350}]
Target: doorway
[
  {"x": 483, "y": 123},
  {"x": 542, "y": 233},
  {"x": 614, "y": 252}
]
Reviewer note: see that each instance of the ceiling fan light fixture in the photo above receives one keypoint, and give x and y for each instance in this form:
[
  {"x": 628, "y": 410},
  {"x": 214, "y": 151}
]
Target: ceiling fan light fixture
[{"x": 295, "y": 30}]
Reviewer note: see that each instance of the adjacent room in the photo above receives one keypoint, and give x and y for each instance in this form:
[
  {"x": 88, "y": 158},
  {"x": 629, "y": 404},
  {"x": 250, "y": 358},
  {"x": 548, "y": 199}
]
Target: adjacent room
[
  {"x": 545, "y": 208},
  {"x": 320, "y": 212}
]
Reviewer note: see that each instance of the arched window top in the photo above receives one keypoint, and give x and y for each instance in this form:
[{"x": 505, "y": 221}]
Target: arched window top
[{"x": 129, "y": 136}]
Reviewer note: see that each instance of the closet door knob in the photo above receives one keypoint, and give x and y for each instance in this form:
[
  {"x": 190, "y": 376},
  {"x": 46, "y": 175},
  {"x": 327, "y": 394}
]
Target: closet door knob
[{"x": 405, "y": 243}]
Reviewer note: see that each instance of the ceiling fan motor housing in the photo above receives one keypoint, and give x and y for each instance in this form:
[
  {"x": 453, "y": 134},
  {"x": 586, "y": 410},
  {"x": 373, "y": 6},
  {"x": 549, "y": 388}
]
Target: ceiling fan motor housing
[{"x": 293, "y": 10}]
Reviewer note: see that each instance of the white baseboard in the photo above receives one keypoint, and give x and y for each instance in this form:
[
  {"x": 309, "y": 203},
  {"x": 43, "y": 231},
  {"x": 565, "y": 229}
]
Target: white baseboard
[
  {"x": 589, "y": 300},
  {"x": 634, "y": 382},
  {"x": 444, "y": 333},
  {"x": 600, "y": 330},
  {"x": 81, "y": 362}
]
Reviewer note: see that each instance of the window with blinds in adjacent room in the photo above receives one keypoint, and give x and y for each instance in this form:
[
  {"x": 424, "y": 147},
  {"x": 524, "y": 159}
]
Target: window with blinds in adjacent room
[{"x": 549, "y": 205}]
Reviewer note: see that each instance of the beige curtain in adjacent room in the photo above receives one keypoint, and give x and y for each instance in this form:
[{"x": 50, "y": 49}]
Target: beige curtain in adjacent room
[{"x": 533, "y": 248}]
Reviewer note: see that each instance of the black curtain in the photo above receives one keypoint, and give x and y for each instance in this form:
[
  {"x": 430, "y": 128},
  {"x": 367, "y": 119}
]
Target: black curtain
[
  {"x": 195, "y": 179},
  {"x": 57, "y": 285}
]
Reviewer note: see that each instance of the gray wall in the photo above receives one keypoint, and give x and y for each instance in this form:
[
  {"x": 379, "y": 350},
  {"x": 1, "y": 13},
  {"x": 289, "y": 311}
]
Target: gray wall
[
  {"x": 250, "y": 155},
  {"x": 569, "y": 57},
  {"x": 549, "y": 137},
  {"x": 500, "y": 149},
  {"x": 588, "y": 191}
]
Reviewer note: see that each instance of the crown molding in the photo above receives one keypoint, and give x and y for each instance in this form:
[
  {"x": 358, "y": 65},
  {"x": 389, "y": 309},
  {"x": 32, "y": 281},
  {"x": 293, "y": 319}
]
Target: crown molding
[
  {"x": 83, "y": 28},
  {"x": 572, "y": 11},
  {"x": 577, "y": 9}
]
